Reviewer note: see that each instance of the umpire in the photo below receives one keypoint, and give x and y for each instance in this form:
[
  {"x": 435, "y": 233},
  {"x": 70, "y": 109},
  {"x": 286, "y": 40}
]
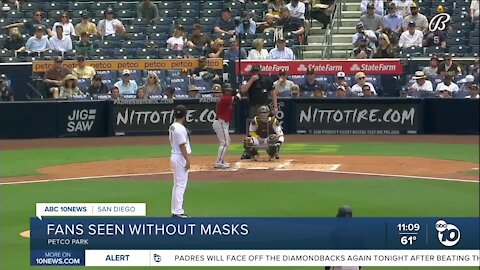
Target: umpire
[{"x": 258, "y": 89}]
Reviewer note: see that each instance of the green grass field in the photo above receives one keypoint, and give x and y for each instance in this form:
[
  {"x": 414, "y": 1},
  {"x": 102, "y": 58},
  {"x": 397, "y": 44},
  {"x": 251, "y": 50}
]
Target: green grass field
[{"x": 292, "y": 198}]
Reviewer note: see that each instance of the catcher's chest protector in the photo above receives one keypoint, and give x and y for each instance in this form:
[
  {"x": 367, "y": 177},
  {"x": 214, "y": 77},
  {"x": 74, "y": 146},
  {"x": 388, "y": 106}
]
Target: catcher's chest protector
[{"x": 265, "y": 128}]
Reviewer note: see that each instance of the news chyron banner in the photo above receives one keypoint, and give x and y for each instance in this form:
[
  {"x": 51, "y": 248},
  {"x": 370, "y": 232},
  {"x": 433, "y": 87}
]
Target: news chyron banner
[{"x": 121, "y": 235}]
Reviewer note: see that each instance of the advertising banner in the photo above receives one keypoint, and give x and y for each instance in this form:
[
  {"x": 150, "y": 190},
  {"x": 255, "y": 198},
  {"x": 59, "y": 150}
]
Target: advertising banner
[
  {"x": 145, "y": 241},
  {"x": 324, "y": 67},
  {"x": 81, "y": 119},
  {"x": 155, "y": 116},
  {"x": 379, "y": 117},
  {"x": 143, "y": 64}
]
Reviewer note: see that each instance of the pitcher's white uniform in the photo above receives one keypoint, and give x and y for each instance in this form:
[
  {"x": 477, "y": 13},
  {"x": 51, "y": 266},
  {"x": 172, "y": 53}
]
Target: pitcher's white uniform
[{"x": 178, "y": 135}]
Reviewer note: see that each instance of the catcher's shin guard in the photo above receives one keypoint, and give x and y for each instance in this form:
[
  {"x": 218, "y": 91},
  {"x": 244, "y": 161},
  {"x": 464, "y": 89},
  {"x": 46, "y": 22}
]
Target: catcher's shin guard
[{"x": 249, "y": 148}]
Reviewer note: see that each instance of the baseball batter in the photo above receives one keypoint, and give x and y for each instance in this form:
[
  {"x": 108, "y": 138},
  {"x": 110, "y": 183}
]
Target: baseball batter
[
  {"x": 221, "y": 125},
  {"x": 180, "y": 159},
  {"x": 264, "y": 131}
]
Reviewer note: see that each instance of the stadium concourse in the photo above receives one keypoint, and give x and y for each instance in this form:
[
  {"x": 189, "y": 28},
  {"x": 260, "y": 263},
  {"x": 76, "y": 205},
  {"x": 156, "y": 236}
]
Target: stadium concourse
[{"x": 438, "y": 61}]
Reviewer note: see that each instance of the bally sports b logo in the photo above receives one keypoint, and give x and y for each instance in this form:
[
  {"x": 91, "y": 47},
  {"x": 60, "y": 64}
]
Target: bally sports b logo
[
  {"x": 439, "y": 22},
  {"x": 448, "y": 234}
]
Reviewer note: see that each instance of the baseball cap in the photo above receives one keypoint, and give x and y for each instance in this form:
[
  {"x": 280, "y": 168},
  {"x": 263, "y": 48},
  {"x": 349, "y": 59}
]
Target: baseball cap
[
  {"x": 370, "y": 5},
  {"x": 170, "y": 89},
  {"x": 392, "y": 5},
  {"x": 345, "y": 211},
  {"x": 255, "y": 68},
  {"x": 180, "y": 111},
  {"x": 411, "y": 23},
  {"x": 341, "y": 74},
  {"x": 125, "y": 72},
  {"x": 359, "y": 24},
  {"x": 85, "y": 14},
  {"x": 414, "y": 5},
  {"x": 39, "y": 28},
  {"x": 467, "y": 79},
  {"x": 226, "y": 9},
  {"x": 361, "y": 38},
  {"x": 284, "y": 8},
  {"x": 192, "y": 88},
  {"x": 227, "y": 86},
  {"x": 281, "y": 40},
  {"x": 80, "y": 58},
  {"x": 295, "y": 89},
  {"x": 58, "y": 59},
  {"x": 197, "y": 26},
  {"x": 282, "y": 72},
  {"x": 440, "y": 9},
  {"x": 179, "y": 27},
  {"x": 447, "y": 55}
]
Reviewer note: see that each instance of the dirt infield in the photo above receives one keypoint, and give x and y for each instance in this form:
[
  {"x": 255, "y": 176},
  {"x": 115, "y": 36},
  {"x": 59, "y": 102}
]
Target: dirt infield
[
  {"x": 148, "y": 140},
  {"x": 290, "y": 167}
]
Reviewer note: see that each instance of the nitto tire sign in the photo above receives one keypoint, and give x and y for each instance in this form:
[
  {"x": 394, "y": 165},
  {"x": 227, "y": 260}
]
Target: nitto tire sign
[
  {"x": 156, "y": 118},
  {"x": 344, "y": 118}
]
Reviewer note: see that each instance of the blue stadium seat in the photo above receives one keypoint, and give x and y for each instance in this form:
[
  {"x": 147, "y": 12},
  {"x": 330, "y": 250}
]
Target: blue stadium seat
[
  {"x": 167, "y": 13},
  {"x": 180, "y": 84},
  {"x": 29, "y": 7},
  {"x": 131, "y": 6},
  {"x": 122, "y": 14},
  {"x": 147, "y": 53},
  {"x": 171, "y": 5},
  {"x": 458, "y": 50},
  {"x": 460, "y": 33},
  {"x": 83, "y": 84},
  {"x": 203, "y": 85},
  {"x": 412, "y": 51},
  {"x": 456, "y": 41},
  {"x": 212, "y": 5},
  {"x": 189, "y": 13},
  {"x": 15, "y": 15},
  {"x": 100, "y": 6},
  {"x": 434, "y": 50},
  {"x": 213, "y": 14},
  {"x": 190, "y": 5}
]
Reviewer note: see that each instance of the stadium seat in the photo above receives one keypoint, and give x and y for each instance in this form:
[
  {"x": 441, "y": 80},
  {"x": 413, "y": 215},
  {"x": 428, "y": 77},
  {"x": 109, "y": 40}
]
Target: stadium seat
[
  {"x": 434, "y": 50},
  {"x": 190, "y": 5},
  {"x": 101, "y": 6},
  {"x": 412, "y": 51},
  {"x": 212, "y": 5},
  {"x": 167, "y": 13},
  {"x": 122, "y": 14},
  {"x": 125, "y": 6},
  {"x": 15, "y": 16},
  {"x": 158, "y": 37},
  {"x": 28, "y": 7},
  {"x": 189, "y": 13},
  {"x": 171, "y": 5},
  {"x": 458, "y": 50},
  {"x": 53, "y": 6},
  {"x": 147, "y": 53},
  {"x": 138, "y": 37},
  {"x": 80, "y": 6},
  {"x": 210, "y": 13},
  {"x": 456, "y": 41},
  {"x": 460, "y": 33}
]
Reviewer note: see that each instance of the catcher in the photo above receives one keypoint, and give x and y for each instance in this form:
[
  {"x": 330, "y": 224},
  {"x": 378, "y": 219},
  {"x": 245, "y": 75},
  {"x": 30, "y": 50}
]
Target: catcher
[{"x": 264, "y": 132}]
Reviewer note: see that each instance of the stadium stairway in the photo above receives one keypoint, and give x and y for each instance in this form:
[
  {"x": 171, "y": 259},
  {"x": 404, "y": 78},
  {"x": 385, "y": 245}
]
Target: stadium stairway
[{"x": 342, "y": 32}]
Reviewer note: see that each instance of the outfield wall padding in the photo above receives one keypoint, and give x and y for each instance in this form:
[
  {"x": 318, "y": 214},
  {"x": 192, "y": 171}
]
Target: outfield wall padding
[{"x": 50, "y": 119}]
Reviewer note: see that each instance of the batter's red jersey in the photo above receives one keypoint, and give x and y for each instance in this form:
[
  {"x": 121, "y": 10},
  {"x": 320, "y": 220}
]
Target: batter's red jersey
[{"x": 225, "y": 108}]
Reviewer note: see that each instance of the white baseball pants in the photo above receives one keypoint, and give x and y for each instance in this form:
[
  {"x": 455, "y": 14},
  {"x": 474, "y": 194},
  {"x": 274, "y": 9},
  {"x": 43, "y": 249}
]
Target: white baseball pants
[
  {"x": 180, "y": 179},
  {"x": 221, "y": 128}
]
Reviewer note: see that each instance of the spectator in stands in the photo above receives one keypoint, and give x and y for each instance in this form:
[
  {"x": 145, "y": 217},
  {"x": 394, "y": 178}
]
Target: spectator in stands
[
  {"x": 283, "y": 86},
  {"x": 296, "y": 9},
  {"x": 475, "y": 68},
  {"x": 110, "y": 25},
  {"x": 234, "y": 51},
  {"x": 474, "y": 10},
  {"x": 361, "y": 79},
  {"x": 466, "y": 83},
  {"x": 361, "y": 32},
  {"x": 69, "y": 88},
  {"x": 290, "y": 24},
  {"x": 82, "y": 71},
  {"x": 322, "y": 12},
  {"x": 421, "y": 85},
  {"x": 411, "y": 38},
  {"x": 67, "y": 26},
  {"x": 217, "y": 50},
  {"x": 340, "y": 81},
  {"x": 141, "y": 94},
  {"x": 362, "y": 51},
  {"x": 421, "y": 22},
  {"x": 385, "y": 49},
  {"x": 274, "y": 7},
  {"x": 392, "y": 36},
  {"x": 281, "y": 51},
  {"x": 372, "y": 21},
  {"x": 268, "y": 26},
  {"x": 53, "y": 77},
  {"x": 403, "y": 7},
  {"x": 246, "y": 22},
  {"x": 367, "y": 91},
  {"x": 258, "y": 52},
  {"x": 295, "y": 91},
  {"x": 178, "y": 41},
  {"x": 225, "y": 24},
  {"x": 60, "y": 42},
  {"x": 447, "y": 83},
  {"x": 192, "y": 91},
  {"x": 432, "y": 69},
  {"x": 85, "y": 26},
  {"x": 392, "y": 20},
  {"x": 198, "y": 40},
  {"x": 39, "y": 42},
  {"x": 125, "y": 85},
  {"x": 377, "y": 3},
  {"x": 448, "y": 66},
  {"x": 152, "y": 85},
  {"x": 6, "y": 93},
  {"x": 445, "y": 92},
  {"x": 15, "y": 41},
  {"x": 97, "y": 87},
  {"x": 169, "y": 92},
  {"x": 205, "y": 73},
  {"x": 32, "y": 25},
  {"x": 84, "y": 46},
  {"x": 217, "y": 90},
  {"x": 115, "y": 93},
  {"x": 12, "y": 4},
  {"x": 319, "y": 93},
  {"x": 341, "y": 92},
  {"x": 474, "y": 92},
  {"x": 436, "y": 39},
  {"x": 311, "y": 84},
  {"x": 147, "y": 10}
]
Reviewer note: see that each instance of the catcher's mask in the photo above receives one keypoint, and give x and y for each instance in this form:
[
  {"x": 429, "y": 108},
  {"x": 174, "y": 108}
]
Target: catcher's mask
[{"x": 263, "y": 113}]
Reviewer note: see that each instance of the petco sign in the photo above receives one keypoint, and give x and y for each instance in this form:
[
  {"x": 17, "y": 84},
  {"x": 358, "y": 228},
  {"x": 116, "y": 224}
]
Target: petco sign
[{"x": 325, "y": 67}]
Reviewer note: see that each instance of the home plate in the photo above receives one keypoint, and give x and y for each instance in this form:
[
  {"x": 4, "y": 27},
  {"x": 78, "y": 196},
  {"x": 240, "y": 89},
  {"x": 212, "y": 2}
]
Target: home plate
[
  {"x": 285, "y": 165},
  {"x": 310, "y": 167}
]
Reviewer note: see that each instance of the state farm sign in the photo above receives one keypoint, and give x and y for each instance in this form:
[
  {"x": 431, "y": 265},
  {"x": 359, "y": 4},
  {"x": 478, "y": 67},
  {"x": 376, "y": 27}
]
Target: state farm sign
[{"x": 324, "y": 67}]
